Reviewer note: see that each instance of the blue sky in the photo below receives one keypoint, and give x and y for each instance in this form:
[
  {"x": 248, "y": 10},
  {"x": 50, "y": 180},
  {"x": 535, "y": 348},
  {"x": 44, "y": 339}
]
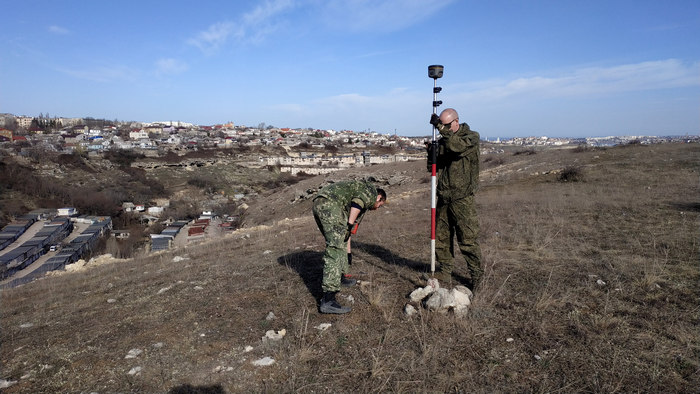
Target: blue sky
[{"x": 512, "y": 68}]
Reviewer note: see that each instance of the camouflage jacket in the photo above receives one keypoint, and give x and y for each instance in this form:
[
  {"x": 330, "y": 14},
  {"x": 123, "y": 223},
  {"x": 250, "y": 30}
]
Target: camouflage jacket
[
  {"x": 344, "y": 193},
  {"x": 457, "y": 163}
]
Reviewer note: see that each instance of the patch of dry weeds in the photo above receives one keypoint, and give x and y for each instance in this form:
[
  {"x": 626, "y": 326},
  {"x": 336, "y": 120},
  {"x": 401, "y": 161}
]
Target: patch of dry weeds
[{"x": 589, "y": 286}]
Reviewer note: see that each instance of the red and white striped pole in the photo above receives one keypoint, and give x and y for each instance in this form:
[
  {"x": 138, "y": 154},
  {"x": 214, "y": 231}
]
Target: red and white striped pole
[{"x": 434, "y": 72}]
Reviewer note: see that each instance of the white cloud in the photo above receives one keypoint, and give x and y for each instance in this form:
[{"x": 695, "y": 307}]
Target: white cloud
[
  {"x": 578, "y": 95},
  {"x": 58, "y": 30},
  {"x": 347, "y": 15},
  {"x": 103, "y": 74},
  {"x": 170, "y": 66},
  {"x": 210, "y": 40},
  {"x": 266, "y": 11},
  {"x": 378, "y": 15},
  {"x": 592, "y": 81},
  {"x": 384, "y": 112},
  {"x": 253, "y": 26}
]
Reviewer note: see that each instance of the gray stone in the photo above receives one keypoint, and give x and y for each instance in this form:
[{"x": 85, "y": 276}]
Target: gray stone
[{"x": 410, "y": 310}]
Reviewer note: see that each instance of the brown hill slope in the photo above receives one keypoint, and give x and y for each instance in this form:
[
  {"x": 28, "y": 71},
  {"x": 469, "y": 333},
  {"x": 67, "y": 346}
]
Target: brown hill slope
[{"x": 591, "y": 286}]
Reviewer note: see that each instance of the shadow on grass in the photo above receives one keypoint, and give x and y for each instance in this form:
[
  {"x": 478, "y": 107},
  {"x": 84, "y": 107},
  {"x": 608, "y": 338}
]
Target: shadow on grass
[
  {"x": 389, "y": 257},
  {"x": 309, "y": 265},
  {"x": 687, "y": 206},
  {"x": 189, "y": 389}
]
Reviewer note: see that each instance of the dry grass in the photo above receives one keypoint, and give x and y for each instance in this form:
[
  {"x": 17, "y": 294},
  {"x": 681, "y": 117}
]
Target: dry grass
[{"x": 596, "y": 283}]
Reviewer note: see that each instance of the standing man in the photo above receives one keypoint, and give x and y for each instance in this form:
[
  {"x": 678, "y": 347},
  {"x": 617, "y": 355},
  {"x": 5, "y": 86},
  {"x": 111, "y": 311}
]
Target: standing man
[
  {"x": 457, "y": 181},
  {"x": 338, "y": 208}
]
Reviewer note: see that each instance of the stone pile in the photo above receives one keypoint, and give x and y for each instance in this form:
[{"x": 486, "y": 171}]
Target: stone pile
[{"x": 439, "y": 299}]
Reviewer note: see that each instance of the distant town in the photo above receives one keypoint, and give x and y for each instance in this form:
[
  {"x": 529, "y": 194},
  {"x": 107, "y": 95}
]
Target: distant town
[{"x": 94, "y": 136}]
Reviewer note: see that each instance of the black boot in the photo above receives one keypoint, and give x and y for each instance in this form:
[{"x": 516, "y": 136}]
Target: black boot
[
  {"x": 347, "y": 281},
  {"x": 330, "y": 305}
]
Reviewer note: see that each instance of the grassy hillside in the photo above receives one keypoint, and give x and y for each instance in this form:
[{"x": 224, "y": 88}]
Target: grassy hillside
[{"x": 592, "y": 285}]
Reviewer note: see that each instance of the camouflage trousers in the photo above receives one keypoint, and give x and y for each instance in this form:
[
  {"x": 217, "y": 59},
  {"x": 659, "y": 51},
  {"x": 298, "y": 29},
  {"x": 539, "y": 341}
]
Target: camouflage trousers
[
  {"x": 332, "y": 221},
  {"x": 458, "y": 218}
]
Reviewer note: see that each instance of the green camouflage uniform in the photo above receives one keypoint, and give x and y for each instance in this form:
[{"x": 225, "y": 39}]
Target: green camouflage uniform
[
  {"x": 332, "y": 210},
  {"x": 457, "y": 181}
]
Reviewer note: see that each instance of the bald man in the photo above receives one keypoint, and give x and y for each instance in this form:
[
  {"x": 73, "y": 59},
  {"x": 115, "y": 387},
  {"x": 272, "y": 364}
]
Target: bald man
[{"x": 457, "y": 181}]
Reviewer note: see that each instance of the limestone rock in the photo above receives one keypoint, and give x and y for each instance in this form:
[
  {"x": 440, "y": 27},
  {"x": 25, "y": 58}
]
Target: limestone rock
[
  {"x": 271, "y": 335},
  {"x": 410, "y": 310},
  {"x": 420, "y": 293},
  {"x": 263, "y": 362},
  {"x": 135, "y": 371},
  {"x": 441, "y": 301},
  {"x": 133, "y": 353},
  {"x": 462, "y": 295}
]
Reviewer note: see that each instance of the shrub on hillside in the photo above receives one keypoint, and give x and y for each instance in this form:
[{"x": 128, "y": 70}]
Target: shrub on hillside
[
  {"x": 140, "y": 187},
  {"x": 206, "y": 184},
  {"x": 386, "y": 150},
  {"x": 276, "y": 168},
  {"x": 75, "y": 160},
  {"x": 93, "y": 202},
  {"x": 493, "y": 161},
  {"x": 303, "y": 175},
  {"x": 571, "y": 174},
  {"x": 181, "y": 210},
  {"x": 15, "y": 177},
  {"x": 10, "y": 210},
  {"x": 126, "y": 248},
  {"x": 122, "y": 157},
  {"x": 529, "y": 151},
  {"x": 170, "y": 157},
  {"x": 285, "y": 179}
]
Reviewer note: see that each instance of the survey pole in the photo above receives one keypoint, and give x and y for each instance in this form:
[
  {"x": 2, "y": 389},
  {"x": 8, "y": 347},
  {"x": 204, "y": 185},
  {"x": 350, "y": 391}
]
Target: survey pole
[{"x": 434, "y": 72}]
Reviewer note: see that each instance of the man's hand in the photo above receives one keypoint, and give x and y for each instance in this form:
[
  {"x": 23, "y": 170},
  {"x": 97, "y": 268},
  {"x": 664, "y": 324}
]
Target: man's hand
[
  {"x": 434, "y": 120},
  {"x": 348, "y": 232},
  {"x": 445, "y": 132}
]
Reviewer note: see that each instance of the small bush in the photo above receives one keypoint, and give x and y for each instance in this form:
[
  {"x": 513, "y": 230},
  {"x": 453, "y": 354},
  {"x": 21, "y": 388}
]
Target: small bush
[
  {"x": 582, "y": 148},
  {"x": 170, "y": 157},
  {"x": 284, "y": 179},
  {"x": 73, "y": 160},
  {"x": 571, "y": 174},
  {"x": 206, "y": 184},
  {"x": 122, "y": 158},
  {"x": 493, "y": 161},
  {"x": 526, "y": 152}
]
